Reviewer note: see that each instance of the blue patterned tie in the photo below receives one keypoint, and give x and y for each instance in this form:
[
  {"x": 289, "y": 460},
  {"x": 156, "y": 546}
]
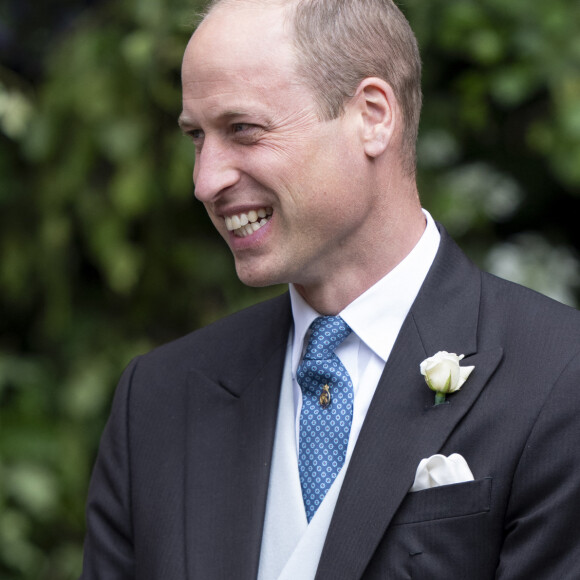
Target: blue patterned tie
[{"x": 326, "y": 416}]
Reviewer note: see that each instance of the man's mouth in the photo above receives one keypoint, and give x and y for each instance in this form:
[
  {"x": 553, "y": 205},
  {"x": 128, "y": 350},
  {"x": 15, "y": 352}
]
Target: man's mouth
[{"x": 245, "y": 224}]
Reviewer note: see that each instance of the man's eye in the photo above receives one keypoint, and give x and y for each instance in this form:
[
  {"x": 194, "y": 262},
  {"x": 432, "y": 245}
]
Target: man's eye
[
  {"x": 196, "y": 134},
  {"x": 246, "y": 133},
  {"x": 244, "y": 129}
]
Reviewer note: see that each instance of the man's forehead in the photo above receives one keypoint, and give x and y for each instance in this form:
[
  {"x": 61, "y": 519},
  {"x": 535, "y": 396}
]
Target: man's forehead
[
  {"x": 236, "y": 51},
  {"x": 236, "y": 89},
  {"x": 238, "y": 48},
  {"x": 238, "y": 83}
]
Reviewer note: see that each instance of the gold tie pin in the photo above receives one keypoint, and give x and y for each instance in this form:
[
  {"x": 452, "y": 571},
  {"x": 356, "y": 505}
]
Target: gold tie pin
[{"x": 324, "y": 399}]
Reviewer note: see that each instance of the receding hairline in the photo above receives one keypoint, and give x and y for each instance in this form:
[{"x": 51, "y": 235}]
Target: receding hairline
[
  {"x": 213, "y": 5},
  {"x": 331, "y": 63}
]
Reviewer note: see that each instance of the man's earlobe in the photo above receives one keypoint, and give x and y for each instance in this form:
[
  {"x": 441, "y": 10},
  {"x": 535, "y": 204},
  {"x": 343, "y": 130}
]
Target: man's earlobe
[{"x": 378, "y": 110}]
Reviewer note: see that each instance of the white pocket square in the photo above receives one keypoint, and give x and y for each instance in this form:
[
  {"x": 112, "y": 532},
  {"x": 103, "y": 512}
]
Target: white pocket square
[{"x": 440, "y": 470}]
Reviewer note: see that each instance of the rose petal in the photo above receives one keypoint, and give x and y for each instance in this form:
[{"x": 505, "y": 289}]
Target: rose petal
[{"x": 464, "y": 373}]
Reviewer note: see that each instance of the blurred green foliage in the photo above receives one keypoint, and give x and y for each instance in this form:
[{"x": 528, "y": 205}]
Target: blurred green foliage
[{"x": 104, "y": 253}]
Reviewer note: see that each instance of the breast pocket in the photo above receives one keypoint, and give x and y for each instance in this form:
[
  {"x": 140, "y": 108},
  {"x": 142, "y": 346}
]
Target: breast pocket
[{"x": 445, "y": 501}]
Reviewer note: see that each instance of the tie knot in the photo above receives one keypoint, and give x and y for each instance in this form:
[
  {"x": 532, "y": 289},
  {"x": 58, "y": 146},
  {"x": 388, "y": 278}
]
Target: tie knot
[{"x": 327, "y": 333}]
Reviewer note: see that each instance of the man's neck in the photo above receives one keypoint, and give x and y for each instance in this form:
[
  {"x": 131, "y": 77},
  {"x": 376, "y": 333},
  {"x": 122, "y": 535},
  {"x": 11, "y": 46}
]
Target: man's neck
[{"x": 334, "y": 294}]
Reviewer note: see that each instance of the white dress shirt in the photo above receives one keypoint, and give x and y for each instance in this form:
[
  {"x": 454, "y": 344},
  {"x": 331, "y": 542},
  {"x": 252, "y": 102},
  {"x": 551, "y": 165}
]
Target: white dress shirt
[
  {"x": 375, "y": 318},
  {"x": 291, "y": 546}
]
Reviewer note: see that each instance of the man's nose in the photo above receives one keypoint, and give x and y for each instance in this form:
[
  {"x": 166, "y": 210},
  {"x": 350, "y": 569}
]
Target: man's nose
[{"x": 214, "y": 171}]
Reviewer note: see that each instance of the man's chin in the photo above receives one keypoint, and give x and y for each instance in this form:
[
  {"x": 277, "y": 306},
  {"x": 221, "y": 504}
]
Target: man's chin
[{"x": 258, "y": 277}]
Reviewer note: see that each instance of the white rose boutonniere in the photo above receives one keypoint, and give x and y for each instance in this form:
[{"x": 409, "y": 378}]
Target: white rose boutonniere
[{"x": 443, "y": 374}]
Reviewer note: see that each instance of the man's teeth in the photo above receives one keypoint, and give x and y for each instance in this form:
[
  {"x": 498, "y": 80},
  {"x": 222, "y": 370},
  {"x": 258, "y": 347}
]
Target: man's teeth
[{"x": 244, "y": 224}]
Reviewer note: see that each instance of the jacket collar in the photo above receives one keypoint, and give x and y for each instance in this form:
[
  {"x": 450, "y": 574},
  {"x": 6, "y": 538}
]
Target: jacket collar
[
  {"x": 232, "y": 409},
  {"x": 402, "y": 426}
]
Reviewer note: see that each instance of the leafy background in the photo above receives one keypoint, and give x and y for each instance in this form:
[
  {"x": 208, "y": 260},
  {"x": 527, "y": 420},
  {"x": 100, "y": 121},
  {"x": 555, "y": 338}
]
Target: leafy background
[{"x": 104, "y": 253}]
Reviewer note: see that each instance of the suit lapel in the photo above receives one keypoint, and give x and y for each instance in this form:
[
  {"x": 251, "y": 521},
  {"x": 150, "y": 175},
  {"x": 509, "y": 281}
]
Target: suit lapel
[
  {"x": 402, "y": 425},
  {"x": 235, "y": 401}
]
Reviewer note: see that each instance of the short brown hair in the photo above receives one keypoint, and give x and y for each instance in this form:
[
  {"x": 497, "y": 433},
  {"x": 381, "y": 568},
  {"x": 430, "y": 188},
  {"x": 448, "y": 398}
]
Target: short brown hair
[{"x": 341, "y": 42}]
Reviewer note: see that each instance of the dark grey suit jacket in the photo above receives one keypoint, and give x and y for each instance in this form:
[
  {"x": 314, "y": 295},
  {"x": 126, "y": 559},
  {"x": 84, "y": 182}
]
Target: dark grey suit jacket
[{"x": 179, "y": 487}]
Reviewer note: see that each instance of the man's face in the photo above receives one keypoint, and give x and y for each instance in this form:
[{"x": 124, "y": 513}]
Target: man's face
[{"x": 279, "y": 185}]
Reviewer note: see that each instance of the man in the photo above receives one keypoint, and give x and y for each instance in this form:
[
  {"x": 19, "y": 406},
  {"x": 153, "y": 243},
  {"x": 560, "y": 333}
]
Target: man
[{"x": 284, "y": 441}]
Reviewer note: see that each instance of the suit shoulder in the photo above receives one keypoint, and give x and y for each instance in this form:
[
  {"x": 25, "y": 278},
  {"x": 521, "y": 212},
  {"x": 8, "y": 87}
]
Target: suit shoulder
[
  {"x": 533, "y": 317},
  {"x": 513, "y": 295}
]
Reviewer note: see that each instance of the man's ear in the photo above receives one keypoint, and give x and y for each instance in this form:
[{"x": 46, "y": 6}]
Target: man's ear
[{"x": 378, "y": 110}]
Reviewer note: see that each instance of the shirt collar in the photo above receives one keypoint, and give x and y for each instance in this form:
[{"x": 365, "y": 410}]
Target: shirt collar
[{"x": 377, "y": 315}]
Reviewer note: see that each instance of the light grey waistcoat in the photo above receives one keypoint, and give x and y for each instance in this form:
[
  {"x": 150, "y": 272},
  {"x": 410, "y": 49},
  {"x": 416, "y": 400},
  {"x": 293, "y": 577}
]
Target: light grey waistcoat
[{"x": 291, "y": 547}]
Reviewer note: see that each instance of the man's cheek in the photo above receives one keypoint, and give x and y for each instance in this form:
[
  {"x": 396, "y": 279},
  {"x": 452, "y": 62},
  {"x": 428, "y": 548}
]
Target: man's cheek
[{"x": 219, "y": 224}]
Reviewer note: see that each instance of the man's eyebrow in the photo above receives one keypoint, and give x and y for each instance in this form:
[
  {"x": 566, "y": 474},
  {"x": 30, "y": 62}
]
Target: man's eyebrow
[
  {"x": 186, "y": 123},
  {"x": 234, "y": 114}
]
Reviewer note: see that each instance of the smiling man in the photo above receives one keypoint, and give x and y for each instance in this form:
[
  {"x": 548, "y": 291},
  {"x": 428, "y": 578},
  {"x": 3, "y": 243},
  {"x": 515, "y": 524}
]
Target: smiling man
[
  {"x": 298, "y": 439},
  {"x": 329, "y": 189}
]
